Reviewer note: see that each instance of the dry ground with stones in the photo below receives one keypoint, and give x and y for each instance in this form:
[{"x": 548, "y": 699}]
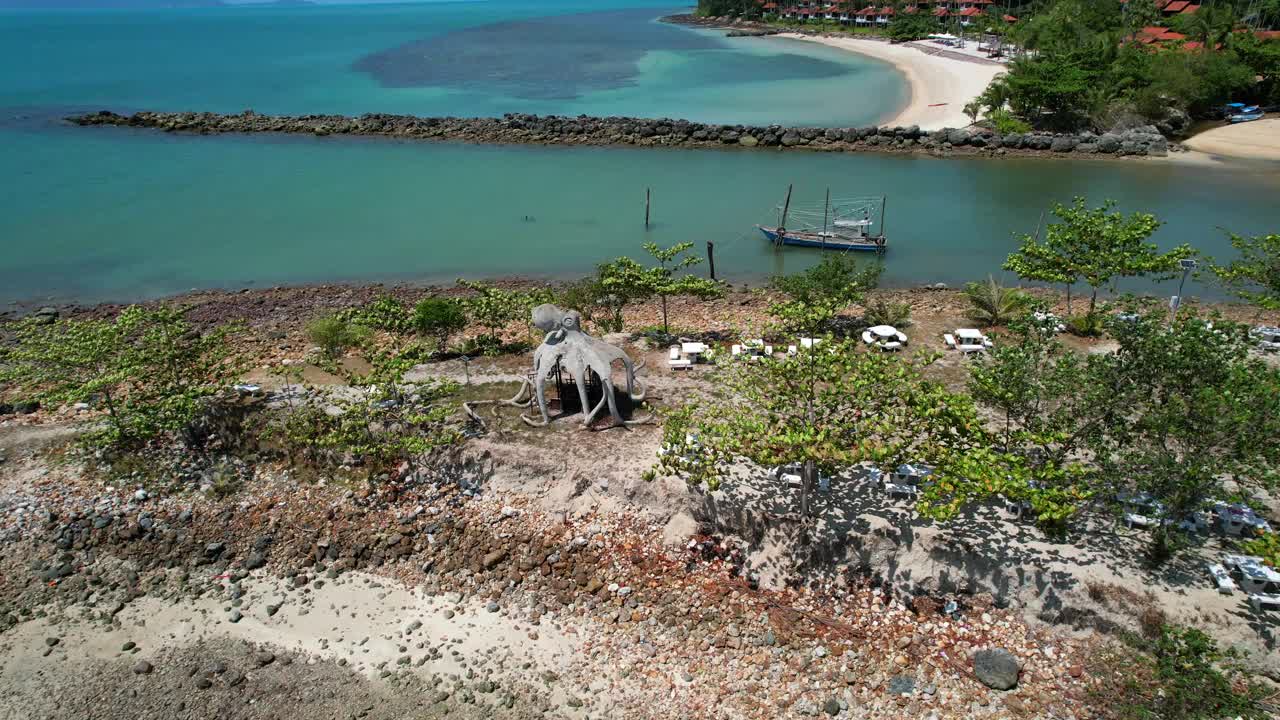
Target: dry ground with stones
[{"x": 535, "y": 574}]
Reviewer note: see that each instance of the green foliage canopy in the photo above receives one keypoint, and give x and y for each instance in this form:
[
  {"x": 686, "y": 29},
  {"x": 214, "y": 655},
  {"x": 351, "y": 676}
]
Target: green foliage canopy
[
  {"x": 1096, "y": 246},
  {"x": 150, "y": 367},
  {"x": 1255, "y": 275}
]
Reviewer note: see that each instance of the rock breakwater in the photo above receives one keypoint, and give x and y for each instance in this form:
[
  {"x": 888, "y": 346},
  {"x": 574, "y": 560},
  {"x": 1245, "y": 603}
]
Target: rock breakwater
[{"x": 649, "y": 132}]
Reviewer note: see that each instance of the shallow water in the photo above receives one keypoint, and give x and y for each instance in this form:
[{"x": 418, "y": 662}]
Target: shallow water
[
  {"x": 608, "y": 57},
  {"x": 107, "y": 213},
  {"x": 139, "y": 213}
]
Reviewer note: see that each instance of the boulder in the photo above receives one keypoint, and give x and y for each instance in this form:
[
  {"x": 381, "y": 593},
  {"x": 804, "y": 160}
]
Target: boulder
[
  {"x": 1108, "y": 143},
  {"x": 958, "y": 137},
  {"x": 1012, "y": 140},
  {"x": 849, "y": 134},
  {"x": 1158, "y": 147},
  {"x": 1087, "y": 148},
  {"x": 1175, "y": 123},
  {"x": 1063, "y": 143},
  {"x": 748, "y": 141},
  {"x": 790, "y": 139},
  {"x": 1132, "y": 147},
  {"x": 996, "y": 668}
]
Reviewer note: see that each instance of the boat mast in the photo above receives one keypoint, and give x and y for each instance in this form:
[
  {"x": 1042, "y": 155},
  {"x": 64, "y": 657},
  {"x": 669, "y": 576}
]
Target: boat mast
[
  {"x": 883, "y": 201},
  {"x": 826, "y": 207},
  {"x": 782, "y": 221}
]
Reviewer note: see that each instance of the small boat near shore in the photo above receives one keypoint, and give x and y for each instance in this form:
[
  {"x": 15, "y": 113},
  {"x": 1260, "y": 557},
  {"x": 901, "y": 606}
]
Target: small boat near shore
[
  {"x": 1239, "y": 112},
  {"x": 846, "y": 224}
]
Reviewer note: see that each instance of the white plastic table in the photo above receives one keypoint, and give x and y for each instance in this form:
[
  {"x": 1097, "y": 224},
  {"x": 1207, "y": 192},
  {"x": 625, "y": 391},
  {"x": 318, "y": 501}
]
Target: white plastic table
[{"x": 693, "y": 349}]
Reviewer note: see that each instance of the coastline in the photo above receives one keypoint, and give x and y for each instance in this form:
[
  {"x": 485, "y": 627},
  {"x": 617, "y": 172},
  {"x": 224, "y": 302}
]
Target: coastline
[
  {"x": 938, "y": 86},
  {"x": 1257, "y": 140}
]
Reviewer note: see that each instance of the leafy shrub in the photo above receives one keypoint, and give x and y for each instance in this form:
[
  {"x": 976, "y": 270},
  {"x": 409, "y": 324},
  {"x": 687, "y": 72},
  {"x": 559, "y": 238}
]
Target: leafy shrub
[
  {"x": 1005, "y": 123},
  {"x": 378, "y": 431},
  {"x": 334, "y": 335},
  {"x": 1266, "y": 547},
  {"x": 883, "y": 312},
  {"x": 494, "y": 308},
  {"x": 1180, "y": 674},
  {"x": 594, "y": 302},
  {"x": 386, "y": 313},
  {"x": 994, "y": 304},
  {"x": 439, "y": 318},
  {"x": 1086, "y": 325}
]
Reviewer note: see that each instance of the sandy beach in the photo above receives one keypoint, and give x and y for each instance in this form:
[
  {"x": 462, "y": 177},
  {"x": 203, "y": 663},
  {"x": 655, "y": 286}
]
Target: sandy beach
[
  {"x": 940, "y": 86},
  {"x": 1258, "y": 140}
]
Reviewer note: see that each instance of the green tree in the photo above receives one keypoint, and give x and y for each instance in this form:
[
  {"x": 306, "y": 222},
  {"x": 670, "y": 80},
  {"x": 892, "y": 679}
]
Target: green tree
[
  {"x": 1211, "y": 25},
  {"x": 813, "y": 298},
  {"x": 1262, "y": 58},
  {"x": 628, "y": 280},
  {"x": 1190, "y": 409},
  {"x": 825, "y": 410},
  {"x": 911, "y": 26},
  {"x": 151, "y": 369},
  {"x": 992, "y": 304},
  {"x": 494, "y": 308},
  {"x": 1255, "y": 275},
  {"x": 439, "y": 318},
  {"x": 1096, "y": 246}
]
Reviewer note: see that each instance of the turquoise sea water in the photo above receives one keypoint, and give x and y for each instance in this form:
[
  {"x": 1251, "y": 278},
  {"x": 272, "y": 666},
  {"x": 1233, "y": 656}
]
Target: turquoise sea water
[
  {"x": 607, "y": 57},
  {"x": 102, "y": 213}
]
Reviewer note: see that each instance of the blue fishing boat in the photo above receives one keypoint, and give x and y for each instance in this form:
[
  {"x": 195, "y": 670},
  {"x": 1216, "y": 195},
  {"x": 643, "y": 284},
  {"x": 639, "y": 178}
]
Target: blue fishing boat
[
  {"x": 846, "y": 225},
  {"x": 1239, "y": 112}
]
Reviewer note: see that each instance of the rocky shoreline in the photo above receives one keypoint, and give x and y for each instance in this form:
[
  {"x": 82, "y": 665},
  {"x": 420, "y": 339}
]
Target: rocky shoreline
[{"x": 523, "y": 129}]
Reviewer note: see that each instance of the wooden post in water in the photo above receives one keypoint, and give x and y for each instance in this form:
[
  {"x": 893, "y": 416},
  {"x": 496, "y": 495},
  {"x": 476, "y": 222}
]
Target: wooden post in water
[
  {"x": 711, "y": 258},
  {"x": 646, "y": 208}
]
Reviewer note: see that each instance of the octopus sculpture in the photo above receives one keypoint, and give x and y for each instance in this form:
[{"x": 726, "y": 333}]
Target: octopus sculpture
[{"x": 567, "y": 345}]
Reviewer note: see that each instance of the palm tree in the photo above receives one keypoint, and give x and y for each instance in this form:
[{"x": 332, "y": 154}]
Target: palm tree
[
  {"x": 1212, "y": 25},
  {"x": 994, "y": 304}
]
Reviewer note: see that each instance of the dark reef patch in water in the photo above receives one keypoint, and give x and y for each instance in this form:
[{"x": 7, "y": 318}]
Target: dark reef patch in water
[
  {"x": 548, "y": 58},
  {"x": 562, "y": 58}
]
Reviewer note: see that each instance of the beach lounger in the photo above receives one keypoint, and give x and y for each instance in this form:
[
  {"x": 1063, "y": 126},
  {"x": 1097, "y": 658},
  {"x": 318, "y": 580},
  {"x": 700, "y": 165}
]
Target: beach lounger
[
  {"x": 1264, "y": 602},
  {"x": 736, "y": 350},
  {"x": 900, "y": 489},
  {"x": 1135, "y": 520},
  {"x": 950, "y": 340},
  {"x": 1223, "y": 579}
]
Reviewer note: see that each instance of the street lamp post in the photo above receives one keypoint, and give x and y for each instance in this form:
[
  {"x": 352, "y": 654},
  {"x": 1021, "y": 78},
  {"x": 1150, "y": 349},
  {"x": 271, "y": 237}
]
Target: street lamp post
[{"x": 1187, "y": 265}]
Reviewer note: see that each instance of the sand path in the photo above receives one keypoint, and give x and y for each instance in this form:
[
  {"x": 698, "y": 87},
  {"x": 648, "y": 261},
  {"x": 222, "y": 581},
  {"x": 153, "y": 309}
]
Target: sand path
[{"x": 940, "y": 86}]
